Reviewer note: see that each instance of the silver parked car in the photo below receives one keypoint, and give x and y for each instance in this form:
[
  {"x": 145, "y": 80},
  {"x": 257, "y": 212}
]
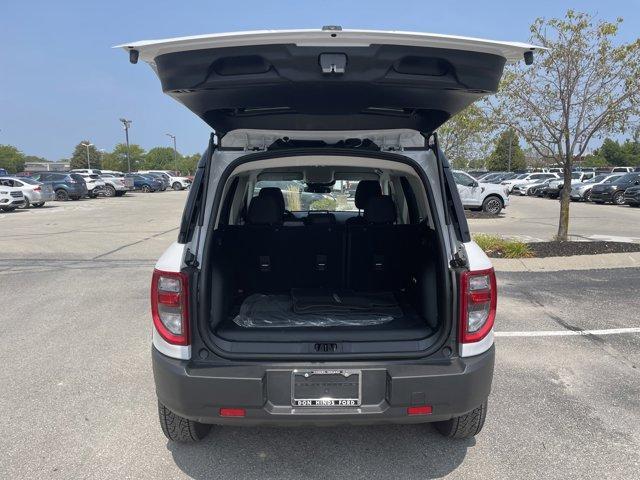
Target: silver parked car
[
  {"x": 582, "y": 191},
  {"x": 36, "y": 194}
]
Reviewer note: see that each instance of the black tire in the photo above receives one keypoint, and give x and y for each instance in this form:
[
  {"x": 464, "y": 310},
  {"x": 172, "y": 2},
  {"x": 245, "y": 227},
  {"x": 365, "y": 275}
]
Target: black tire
[
  {"x": 120, "y": 193},
  {"x": 26, "y": 204},
  {"x": 109, "y": 191},
  {"x": 464, "y": 426},
  {"x": 587, "y": 196},
  {"x": 8, "y": 209},
  {"x": 492, "y": 205},
  {"x": 618, "y": 198},
  {"x": 180, "y": 429},
  {"x": 38, "y": 205},
  {"x": 634, "y": 205},
  {"x": 62, "y": 195},
  {"x": 176, "y": 186},
  {"x": 75, "y": 198},
  {"x": 145, "y": 188}
]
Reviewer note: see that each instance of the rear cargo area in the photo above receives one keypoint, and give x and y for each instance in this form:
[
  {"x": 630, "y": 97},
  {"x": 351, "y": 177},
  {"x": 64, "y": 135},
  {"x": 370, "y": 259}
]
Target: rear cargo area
[{"x": 324, "y": 283}]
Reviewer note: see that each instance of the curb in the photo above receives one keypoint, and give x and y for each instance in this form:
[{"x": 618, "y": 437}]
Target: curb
[{"x": 575, "y": 262}]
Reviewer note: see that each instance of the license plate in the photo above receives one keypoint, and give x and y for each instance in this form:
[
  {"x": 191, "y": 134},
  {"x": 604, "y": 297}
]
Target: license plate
[{"x": 326, "y": 388}]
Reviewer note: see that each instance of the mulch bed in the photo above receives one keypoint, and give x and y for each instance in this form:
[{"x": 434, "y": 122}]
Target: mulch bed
[
  {"x": 481, "y": 214},
  {"x": 566, "y": 249}
]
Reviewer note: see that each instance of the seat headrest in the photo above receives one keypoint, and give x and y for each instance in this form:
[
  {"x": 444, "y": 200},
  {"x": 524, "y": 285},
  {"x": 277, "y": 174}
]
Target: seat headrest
[
  {"x": 380, "y": 210},
  {"x": 264, "y": 211},
  {"x": 365, "y": 190},
  {"x": 275, "y": 193}
]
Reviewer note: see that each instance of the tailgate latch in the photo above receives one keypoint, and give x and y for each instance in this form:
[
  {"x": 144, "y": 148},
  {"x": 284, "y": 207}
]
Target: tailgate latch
[{"x": 333, "y": 62}]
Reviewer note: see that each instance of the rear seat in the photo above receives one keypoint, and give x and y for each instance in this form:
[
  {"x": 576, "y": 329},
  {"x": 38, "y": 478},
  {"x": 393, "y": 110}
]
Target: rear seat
[{"x": 272, "y": 257}]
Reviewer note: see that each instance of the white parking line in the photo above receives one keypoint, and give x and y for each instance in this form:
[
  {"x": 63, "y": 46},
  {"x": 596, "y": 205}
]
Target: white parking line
[{"x": 568, "y": 333}]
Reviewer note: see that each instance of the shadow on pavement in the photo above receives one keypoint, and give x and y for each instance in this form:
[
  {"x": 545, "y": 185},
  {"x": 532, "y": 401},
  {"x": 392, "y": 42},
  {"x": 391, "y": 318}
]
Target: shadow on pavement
[{"x": 395, "y": 451}]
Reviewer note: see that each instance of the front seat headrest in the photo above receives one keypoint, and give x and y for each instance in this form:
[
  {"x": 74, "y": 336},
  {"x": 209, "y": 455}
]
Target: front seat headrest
[
  {"x": 275, "y": 193},
  {"x": 366, "y": 189},
  {"x": 264, "y": 211},
  {"x": 380, "y": 211}
]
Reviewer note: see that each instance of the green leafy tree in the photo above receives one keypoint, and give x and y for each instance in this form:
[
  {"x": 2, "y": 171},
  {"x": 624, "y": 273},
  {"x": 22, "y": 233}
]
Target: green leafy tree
[
  {"x": 79, "y": 156},
  {"x": 117, "y": 159},
  {"x": 11, "y": 159},
  {"x": 463, "y": 137},
  {"x": 189, "y": 164},
  {"x": 507, "y": 154},
  {"x": 161, "y": 158},
  {"x": 584, "y": 85}
]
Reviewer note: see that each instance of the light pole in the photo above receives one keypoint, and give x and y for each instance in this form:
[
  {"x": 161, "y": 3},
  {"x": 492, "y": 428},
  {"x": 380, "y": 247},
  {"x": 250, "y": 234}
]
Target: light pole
[
  {"x": 175, "y": 152},
  {"x": 126, "y": 124},
  {"x": 510, "y": 142},
  {"x": 88, "y": 160}
]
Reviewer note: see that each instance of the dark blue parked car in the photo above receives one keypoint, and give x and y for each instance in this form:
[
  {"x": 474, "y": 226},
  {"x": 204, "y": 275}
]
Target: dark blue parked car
[
  {"x": 65, "y": 185},
  {"x": 145, "y": 183}
]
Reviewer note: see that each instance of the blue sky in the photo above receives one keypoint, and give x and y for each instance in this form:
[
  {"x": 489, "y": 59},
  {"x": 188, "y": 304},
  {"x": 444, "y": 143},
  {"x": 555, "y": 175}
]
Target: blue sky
[{"x": 60, "y": 82}]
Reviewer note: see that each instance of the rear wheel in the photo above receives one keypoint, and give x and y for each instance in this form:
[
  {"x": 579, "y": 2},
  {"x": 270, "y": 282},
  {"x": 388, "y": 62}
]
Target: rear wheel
[
  {"x": 62, "y": 195},
  {"x": 38, "y": 205},
  {"x": 587, "y": 195},
  {"x": 464, "y": 426},
  {"x": 26, "y": 203},
  {"x": 180, "y": 429},
  {"x": 176, "y": 186},
  {"x": 109, "y": 191},
  {"x": 618, "y": 198},
  {"x": 492, "y": 205},
  {"x": 146, "y": 188}
]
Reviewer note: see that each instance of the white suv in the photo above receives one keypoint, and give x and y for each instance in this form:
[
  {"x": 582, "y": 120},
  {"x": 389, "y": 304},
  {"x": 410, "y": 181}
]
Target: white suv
[
  {"x": 528, "y": 178},
  {"x": 488, "y": 197},
  {"x": 176, "y": 182},
  {"x": 378, "y": 310}
]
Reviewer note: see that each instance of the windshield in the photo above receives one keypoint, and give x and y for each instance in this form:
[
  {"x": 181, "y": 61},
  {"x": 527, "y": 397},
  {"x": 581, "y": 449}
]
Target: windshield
[
  {"x": 629, "y": 177},
  {"x": 299, "y": 198},
  {"x": 522, "y": 176},
  {"x": 611, "y": 179},
  {"x": 575, "y": 175}
]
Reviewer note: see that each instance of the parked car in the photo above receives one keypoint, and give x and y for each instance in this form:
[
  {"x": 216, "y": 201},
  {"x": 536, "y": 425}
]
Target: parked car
[
  {"x": 554, "y": 188},
  {"x": 10, "y": 198},
  {"x": 632, "y": 196},
  {"x": 90, "y": 171},
  {"x": 115, "y": 186},
  {"x": 530, "y": 187},
  {"x": 526, "y": 178},
  {"x": 176, "y": 182},
  {"x": 538, "y": 189},
  {"x": 65, "y": 185},
  {"x": 487, "y": 197},
  {"x": 582, "y": 191},
  {"x": 145, "y": 183},
  {"x": 614, "y": 192},
  {"x": 95, "y": 184},
  {"x": 163, "y": 179},
  {"x": 622, "y": 170},
  {"x": 3, "y": 172},
  {"x": 35, "y": 193},
  {"x": 216, "y": 357}
]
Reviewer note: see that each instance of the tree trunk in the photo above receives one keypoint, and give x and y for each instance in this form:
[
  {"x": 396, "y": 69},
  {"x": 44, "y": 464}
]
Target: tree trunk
[{"x": 565, "y": 200}]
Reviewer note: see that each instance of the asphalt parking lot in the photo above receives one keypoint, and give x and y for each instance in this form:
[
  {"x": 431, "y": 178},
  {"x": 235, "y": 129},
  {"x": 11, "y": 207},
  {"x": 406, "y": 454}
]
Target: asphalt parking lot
[
  {"x": 536, "y": 219},
  {"x": 78, "y": 401}
]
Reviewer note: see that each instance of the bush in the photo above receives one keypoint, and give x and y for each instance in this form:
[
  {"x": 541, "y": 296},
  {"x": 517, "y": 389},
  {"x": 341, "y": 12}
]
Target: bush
[
  {"x": 496, "y": 246},
  {"x": 324, "y": 204}
]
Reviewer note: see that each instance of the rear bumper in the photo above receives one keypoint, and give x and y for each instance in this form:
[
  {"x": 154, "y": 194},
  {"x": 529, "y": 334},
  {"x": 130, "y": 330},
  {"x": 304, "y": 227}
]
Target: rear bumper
[{"x": 264, "y": 390}]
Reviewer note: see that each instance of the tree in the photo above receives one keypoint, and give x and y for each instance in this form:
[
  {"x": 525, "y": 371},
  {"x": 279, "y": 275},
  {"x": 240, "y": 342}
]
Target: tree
[
  {"x": 189, "y": 164},
  {"x": 117, "y": 159},
  {"x": 79, "y": 156},
  {"x": 11, "y": 159},
  {"x": 507, "y": 154},
  {"x": 161, "y": 158},
  {"x": 583, "y": 87},
  {"x": 463, "y": 137}
]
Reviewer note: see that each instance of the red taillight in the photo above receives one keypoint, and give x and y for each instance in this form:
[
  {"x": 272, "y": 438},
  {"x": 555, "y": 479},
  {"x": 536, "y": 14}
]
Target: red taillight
[
  {"x": 232, "y": 412},
  {"x": 420, "y": 410},
  {"x": 478, "y": 299},
  {"x": 37, "y": 189},
  {"x": 169, "y": 306}
]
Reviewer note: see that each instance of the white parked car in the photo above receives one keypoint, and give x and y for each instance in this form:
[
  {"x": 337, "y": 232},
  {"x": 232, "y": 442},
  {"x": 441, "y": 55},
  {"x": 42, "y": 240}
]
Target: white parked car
[
  {"x": 487, "y": 197},
  {"x": 115, "y": 186},
  {"x": 176, "y": 182},
  {"x": 526, "y": 178},
  {"x": 36, "y": 194},
  {"x": 263, "y": 312},
  {"x": 10, "y": 198},
  {"x": 554, "y": 187},
  {"x": 95, "y": 183}
]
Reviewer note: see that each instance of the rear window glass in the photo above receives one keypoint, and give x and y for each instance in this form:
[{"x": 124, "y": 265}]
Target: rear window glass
[
  {"x": 629, "y": 177},
  {"x": 299, "y": 197}
]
